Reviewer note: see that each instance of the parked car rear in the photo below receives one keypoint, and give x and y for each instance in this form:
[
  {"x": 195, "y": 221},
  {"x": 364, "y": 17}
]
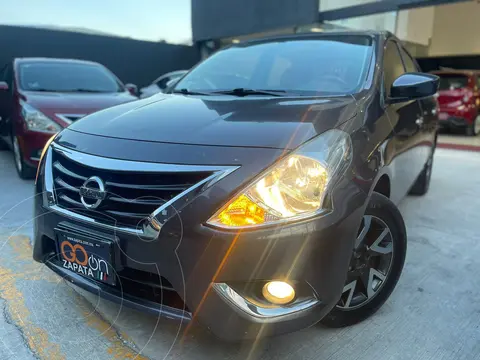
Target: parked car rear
[
  {"x": 41, "y": 96},
  {"x": 459, "y": 100}
]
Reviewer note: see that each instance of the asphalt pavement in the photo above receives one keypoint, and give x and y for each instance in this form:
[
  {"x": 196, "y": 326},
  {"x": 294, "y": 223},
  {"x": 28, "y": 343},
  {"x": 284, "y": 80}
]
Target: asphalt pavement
[{"x": 434, "y": 313}]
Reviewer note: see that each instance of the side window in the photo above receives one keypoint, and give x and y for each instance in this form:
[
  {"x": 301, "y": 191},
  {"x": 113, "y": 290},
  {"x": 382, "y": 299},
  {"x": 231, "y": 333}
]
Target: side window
[
  {"x": 162, "y": 83},
  {"x": 392, "y": 65},
  {"x": 409, "y": 62}
]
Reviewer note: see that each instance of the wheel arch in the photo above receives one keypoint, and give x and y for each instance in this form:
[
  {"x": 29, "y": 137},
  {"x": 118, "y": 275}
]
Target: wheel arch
[{"x": 383, "y": 183}]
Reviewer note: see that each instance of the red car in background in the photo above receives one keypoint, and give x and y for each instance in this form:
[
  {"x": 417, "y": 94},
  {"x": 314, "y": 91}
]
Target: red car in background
[
  {"x": 41, "y": 96},
  {"x": 459, "y": 100}
]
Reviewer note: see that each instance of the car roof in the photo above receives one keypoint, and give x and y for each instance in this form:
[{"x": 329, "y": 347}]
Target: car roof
[
  {"x": 318, "y": 35},
  {"x": 30, "y": 60}
]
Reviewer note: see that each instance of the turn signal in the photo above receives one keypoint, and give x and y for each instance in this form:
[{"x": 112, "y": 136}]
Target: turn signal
[
  {"x": 242, "y": 212},
  {"x": 278, "y": 292}
]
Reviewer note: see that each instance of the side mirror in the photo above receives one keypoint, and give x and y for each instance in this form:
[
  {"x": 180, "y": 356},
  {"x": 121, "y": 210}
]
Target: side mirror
[
  {"x": 170, "y": 85},
  {"x": 132, "y": 89},
  {"x": 411, "y": 86},
  {"x": 3, "y": 86}
]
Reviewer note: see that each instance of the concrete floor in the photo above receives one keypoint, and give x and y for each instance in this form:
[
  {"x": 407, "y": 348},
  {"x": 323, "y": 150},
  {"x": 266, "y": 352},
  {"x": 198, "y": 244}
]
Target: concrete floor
[
  {"x": 459, "y": 142},
  {"x": 434, "y": 313}
]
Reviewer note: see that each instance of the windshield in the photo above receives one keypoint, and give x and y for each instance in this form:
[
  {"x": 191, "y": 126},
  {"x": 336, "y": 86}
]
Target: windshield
[
  {"x": 327, "y": 65},
  {"x": 452, "y": 81},
  {"x": 67, "y": 77}
]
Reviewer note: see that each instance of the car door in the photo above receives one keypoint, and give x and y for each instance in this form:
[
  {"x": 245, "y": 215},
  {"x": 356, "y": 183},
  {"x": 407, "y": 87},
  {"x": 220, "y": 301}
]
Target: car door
[
  {"x": 428, "y": 121},
  {"x": 404, "y": 117}
]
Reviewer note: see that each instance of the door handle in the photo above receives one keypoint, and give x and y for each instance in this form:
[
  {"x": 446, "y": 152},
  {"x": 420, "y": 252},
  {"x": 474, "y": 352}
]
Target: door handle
[{"x": 419, "y": 121}]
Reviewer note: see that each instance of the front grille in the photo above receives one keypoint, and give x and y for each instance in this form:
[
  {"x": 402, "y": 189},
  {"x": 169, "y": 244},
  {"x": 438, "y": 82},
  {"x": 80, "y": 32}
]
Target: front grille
[
  {"x": 131, "y": 196},
  {"x": 149, "y": 286}
]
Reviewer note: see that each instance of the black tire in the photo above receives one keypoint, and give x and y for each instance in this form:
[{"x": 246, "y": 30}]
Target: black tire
[
  {"x": 422, "y": 184},
  {"x": 474, "y": 128},
  {"x": 24, "y": 170},
  {"x": 379, "y": 207}
]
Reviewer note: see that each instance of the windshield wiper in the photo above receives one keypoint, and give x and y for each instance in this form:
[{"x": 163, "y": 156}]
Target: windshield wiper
[
  {"x": 246, "y": 92},
  {"x": 188, "y": 92},
  {"x": 84, "y": 90},
  {"x": 43, "y": 90}
]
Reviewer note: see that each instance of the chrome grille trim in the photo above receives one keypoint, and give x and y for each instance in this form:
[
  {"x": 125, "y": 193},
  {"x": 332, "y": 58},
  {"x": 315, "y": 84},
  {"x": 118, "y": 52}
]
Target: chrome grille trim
[
  {"x": 112, "y": 164},
  {"x": 158, "y": 217}
]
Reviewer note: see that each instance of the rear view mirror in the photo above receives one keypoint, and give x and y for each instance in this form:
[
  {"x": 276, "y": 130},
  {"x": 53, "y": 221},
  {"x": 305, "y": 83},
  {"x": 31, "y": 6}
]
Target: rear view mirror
[
  {"x": 132, "y": 88},
  {"x": 3, "y": 86},
  {"x": 411, "y": 86}
]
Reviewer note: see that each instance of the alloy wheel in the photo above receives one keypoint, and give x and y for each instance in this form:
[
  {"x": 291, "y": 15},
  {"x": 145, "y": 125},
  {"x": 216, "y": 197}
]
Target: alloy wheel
[
  {"x": 370, "y": 265},
  {"x": 17, "y": 154}
]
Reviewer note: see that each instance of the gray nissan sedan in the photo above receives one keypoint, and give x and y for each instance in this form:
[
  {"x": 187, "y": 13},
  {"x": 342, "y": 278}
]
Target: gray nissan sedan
[{"x": 258, "y": 197}]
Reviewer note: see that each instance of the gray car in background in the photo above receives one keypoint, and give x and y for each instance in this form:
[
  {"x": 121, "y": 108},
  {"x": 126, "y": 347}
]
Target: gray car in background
[{"x": 160, "y": 84}]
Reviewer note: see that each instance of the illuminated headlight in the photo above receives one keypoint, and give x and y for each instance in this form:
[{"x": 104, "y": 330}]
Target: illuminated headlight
[
  {"x": 293, "y": 188},
  {"x": 37, "y": 121}
]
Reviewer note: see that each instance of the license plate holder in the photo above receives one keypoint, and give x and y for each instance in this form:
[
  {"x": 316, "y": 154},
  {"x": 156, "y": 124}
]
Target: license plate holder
[{"x": 88, "y": 256}]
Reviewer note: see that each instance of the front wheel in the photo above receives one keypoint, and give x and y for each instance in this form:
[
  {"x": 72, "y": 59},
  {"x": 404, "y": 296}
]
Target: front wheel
[
  {"x": 474, "y": 128},
  {"x": 24, "y": 170},
  {"x": 376, "y": 264}
]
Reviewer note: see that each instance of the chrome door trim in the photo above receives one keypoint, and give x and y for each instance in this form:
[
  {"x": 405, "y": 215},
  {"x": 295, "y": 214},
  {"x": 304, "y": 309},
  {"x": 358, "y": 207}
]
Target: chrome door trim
[{"x": 104, "y": 163}]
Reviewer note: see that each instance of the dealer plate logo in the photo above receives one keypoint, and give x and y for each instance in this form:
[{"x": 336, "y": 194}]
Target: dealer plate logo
[{"x": 76, "y": 259}]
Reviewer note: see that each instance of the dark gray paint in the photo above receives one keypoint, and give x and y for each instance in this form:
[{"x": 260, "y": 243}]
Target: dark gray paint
[
  {"x": 134, "y": 61},
  {"x": 212, "y": 19}
]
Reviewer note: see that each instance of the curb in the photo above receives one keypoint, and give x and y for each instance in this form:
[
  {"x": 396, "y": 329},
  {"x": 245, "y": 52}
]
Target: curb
[{"x": 458, "y": 147}]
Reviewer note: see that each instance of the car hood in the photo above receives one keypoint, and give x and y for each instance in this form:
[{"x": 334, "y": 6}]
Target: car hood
[
  {"x": 273, "y": 122},
  {"x": 52, "y": 104}
]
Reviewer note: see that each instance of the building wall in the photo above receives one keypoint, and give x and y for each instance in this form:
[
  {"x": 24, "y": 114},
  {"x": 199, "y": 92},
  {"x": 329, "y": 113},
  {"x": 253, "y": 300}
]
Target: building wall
[
  {"x": 133, "y": 61},
  {"x": 456, "y": 29},
  {"x": 215, "y": 19},
  {"x": 416, "y": 25}
]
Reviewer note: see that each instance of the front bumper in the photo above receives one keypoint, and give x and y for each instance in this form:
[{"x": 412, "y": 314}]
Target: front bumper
[
  {"x": 32, "y": 143},
  {"x": 194, "y": 261},
  {"x": 307, "y": 252},
  {"x": 454, "y": 122},
  {"x": 457, "y": 118}
]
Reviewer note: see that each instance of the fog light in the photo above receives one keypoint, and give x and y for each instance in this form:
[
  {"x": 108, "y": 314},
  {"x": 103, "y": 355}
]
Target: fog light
[{"x": 278, "y": 292}]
